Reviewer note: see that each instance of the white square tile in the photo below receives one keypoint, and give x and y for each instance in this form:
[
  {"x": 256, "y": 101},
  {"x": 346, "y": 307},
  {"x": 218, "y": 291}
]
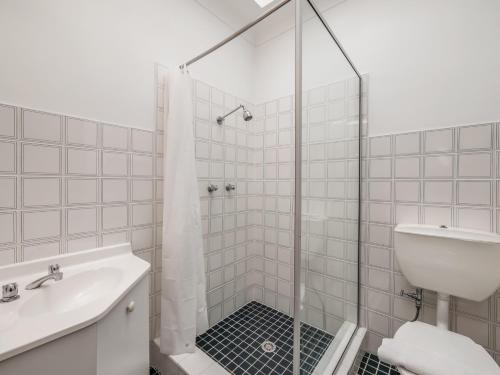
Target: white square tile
[
  {"x": 380, "y": 212},
  {"x": 380, "y": 190},
  {"x": 41, "y": 251},
  {"x": 438, "y": 192},
  {"x": 474, "y": 192},
  {"x": 81, "y": 191},
  {"x": 477, "y": 137},
  {"x": 115, "y": 137},
  {"x": 81, "y": 132},
  {"x": 475, "y": 329},
  {"x": 114, "y": 163},
  {"x": 380, "y": 146},
  {"x": 407, "y": 191},
  {"x": 408, "y": 167},
  {"x": 438, "y": 166},
  {"x": 437, "y": 215},
  {"x": 41, "y": 126},
  {"x": 142, "y": 190},
  {"x": 114, "y": 190},
  {"x": 142, "y": 140},
  {"x": 81, "y": 244},
  {"x": 7, "y": 227},
  {"x": 115, "y": 238},
  {"x": 81, "y": 220},
  {"x": 114, "y": 217},
  {"x": 7, "y": 256},
  {"x": 142, "y": 165},
  {"x": 41, "y": 159},
  {"x": 380, "y": 168},
  {"x": 438, "y": 141},
  {"x": 81, "y": 162},
  {"x": 473, "y": 218},
  {"x": 142, "y": 238},
  {"x": 8, "y": 192},
  {"x": 475, "y": 165},
  {"x": 142, "y": 214},
  {"x": 202, "y": 91},
  {"x": 41, "y": 224},
  {"x": 406, "y": 144},
  {"x": 41, "y": 192},
  {"x": 7, "y": 121},
  {"x": 8, "y": 157}
]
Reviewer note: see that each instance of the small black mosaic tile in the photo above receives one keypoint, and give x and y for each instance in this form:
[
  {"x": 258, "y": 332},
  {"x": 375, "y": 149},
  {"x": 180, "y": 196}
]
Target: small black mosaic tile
[
  {"x": 370, "y": 364},
  {"x": 236, "y": 342},
  {"x": 154, "y": 371}
]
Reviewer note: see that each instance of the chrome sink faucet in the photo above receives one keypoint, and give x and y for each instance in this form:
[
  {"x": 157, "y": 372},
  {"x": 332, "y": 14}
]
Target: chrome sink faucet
[{"x": 54, "y": 274}]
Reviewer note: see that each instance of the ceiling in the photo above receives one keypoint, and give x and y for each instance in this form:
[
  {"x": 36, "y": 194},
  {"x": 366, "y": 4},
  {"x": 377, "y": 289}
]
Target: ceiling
[{"x": 237, "y": 13}]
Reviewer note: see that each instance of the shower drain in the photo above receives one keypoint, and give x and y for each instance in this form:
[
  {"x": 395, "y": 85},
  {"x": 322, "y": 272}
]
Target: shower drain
[{"x": 268, "y": 346}]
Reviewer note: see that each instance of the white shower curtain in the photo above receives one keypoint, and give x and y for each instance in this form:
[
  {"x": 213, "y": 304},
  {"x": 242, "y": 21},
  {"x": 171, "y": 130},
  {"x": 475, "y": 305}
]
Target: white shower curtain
[{"x": 183, "y": 298}]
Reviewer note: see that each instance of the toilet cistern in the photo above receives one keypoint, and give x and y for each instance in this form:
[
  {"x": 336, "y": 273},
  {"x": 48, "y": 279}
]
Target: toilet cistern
[{"x": 451, "y": 261}]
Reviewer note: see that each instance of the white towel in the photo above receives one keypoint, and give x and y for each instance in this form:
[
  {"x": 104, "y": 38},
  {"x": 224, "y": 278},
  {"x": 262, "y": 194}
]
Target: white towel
[
  {"x": 183, "y": 296},
  {"x": 428, "y": 350}
]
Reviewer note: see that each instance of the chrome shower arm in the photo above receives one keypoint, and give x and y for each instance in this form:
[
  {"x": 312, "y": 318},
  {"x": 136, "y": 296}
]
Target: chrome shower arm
[{"x": 220, "y": 119}]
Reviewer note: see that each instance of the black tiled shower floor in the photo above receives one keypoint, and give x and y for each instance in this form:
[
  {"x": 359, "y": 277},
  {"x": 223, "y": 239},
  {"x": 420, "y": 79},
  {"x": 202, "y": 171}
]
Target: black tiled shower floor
[
  {"x": 370, "y": 364},
  {"x": 236, "y": 342}
]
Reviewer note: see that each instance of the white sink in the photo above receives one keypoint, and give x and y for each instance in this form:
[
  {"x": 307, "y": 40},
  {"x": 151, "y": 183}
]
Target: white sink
[
  {"x": 94, "y": 281},
  {"x": 451, "y": 261}
]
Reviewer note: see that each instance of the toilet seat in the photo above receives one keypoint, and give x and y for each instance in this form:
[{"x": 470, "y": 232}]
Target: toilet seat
[{"x": 424, "y": 348}]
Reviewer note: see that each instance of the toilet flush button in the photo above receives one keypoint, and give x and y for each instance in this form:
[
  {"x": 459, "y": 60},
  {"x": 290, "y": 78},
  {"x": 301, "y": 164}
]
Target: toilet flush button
[{"x": 131, "y": 307}]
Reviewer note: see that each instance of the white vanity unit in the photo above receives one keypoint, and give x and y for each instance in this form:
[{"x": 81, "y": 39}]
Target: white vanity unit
[{"x": 93, "y": 321}]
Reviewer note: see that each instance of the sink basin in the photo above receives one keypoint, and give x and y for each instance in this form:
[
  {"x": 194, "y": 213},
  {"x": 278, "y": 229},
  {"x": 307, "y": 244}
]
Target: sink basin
[
  {"x": 71, "y": 292},
  {"x": 94, "y": 282},
  {"x": 451, "y": 261}
]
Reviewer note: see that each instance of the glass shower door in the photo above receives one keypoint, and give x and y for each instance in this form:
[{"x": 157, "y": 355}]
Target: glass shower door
[{"x": 329, "y": 209}]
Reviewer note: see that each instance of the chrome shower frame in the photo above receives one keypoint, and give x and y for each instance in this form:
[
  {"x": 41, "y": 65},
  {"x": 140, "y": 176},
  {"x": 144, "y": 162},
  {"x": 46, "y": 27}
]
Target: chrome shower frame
[{"x": 298, "y": 147}]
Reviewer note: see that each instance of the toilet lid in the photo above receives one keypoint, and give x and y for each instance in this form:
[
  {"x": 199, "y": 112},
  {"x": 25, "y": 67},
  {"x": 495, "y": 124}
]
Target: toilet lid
[{"x": 425, "y": 349}]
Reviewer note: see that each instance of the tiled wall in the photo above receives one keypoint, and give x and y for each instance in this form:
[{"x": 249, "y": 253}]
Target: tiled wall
[
  {"x": 446, "y": 176},
  {"x": 70, "y": 184}
]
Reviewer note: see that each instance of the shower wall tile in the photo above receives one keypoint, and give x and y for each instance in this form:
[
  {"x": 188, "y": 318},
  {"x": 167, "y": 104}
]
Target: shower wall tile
[{"x": 444, "y": 176}]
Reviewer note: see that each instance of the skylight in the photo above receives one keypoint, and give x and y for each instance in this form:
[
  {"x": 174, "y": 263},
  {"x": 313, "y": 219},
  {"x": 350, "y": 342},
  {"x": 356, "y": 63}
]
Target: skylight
[{"x": 263, "y": 3}]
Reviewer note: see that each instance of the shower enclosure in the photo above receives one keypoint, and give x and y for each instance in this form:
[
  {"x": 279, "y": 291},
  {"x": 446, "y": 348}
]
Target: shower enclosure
[{"x": 280, "y": 183}]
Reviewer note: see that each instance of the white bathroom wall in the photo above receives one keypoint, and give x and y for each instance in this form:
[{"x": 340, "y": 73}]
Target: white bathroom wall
[
  {"x": 431, "y": 63},
  {"x": 95, "y": 59}
]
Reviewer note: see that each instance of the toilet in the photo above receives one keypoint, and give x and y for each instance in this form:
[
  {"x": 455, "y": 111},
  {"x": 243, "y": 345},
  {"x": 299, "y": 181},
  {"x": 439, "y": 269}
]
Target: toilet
[{"x": 453, "y": 262}]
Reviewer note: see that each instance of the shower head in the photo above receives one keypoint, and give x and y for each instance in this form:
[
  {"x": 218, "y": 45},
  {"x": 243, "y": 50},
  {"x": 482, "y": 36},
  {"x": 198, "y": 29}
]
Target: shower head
[{"x": 247, "y": 115}]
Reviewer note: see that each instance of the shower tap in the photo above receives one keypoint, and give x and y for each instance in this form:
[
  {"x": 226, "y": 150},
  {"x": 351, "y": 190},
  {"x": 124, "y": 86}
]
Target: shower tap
[
  {"x": 211, "y": 188},
  {"x": 230, "y": 187}
]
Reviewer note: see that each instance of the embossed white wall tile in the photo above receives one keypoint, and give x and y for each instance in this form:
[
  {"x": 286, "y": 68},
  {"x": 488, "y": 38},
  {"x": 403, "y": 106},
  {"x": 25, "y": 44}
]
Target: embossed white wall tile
[
  {"x": 380, "y": 190},
  {"x": 31, "y": 252},
  {"x": 406, "y": 167},
  {"x": 114, "y": 190},
  {"x": 114, "y": 217},
  {"x": 41, "y": 191},
  {"x": 8, "y": 195},
  {"x": 439, "y": 166},
  {"x": 81, "y": 161},
  {"x": 476, "y": 218},
  {"x": 7, "y": 157},
  {"x": 475, "y": 165},
  {"x": 41, "y": 224},
  {"x": 115, "y": 137},
  {"x": 114, "y": 238},
  {"x": 407, "y": 144},
  {"x": 114, "y": 163},
  {"x": 142, "y": 238},
  {"x": 142, "y": 214},
  {"x": 142, "y": 165},
  {"x": 81, "y": 191},
  {"x": 81, "y": 220},
  {"x": 81, "y": 132},
  {"x": 380, "y": 146},
  {"x": 7, "y": 227},
  {"x": 142, "y": 140},
  {"x": 474, "y": 192},
  {"x": 477, "y": 330},
  {"x": 7, "y": 256},
  {"x": 41, "y": 126},
  {"x": 7, "y": 121},
  {"x": 407, "y": 191},
  {"x": 477, "y": 137},
  {"x": 438, "y": 192},
  {"x": 437, "y": 215},
  {"x": 380, "y": 168},
  {"x": 41, "y": 159},
  {"x": 439, "y": 141},
  {"x": 81, "y": 244}
]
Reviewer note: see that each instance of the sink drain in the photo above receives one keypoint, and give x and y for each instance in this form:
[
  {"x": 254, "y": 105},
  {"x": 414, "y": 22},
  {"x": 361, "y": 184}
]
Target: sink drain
[{"x": 268, "y": 346}]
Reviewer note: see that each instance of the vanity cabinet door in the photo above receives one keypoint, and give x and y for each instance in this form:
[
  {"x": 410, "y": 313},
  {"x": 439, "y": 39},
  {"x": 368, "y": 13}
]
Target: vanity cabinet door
[{"x": 123, "y": 335}]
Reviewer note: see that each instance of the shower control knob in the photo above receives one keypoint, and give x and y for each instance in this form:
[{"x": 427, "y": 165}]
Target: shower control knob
[
  {"x": 230, "y": 187},
  {"x": 10, "y": 292},
  {"x": 211, "y": 188}
]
